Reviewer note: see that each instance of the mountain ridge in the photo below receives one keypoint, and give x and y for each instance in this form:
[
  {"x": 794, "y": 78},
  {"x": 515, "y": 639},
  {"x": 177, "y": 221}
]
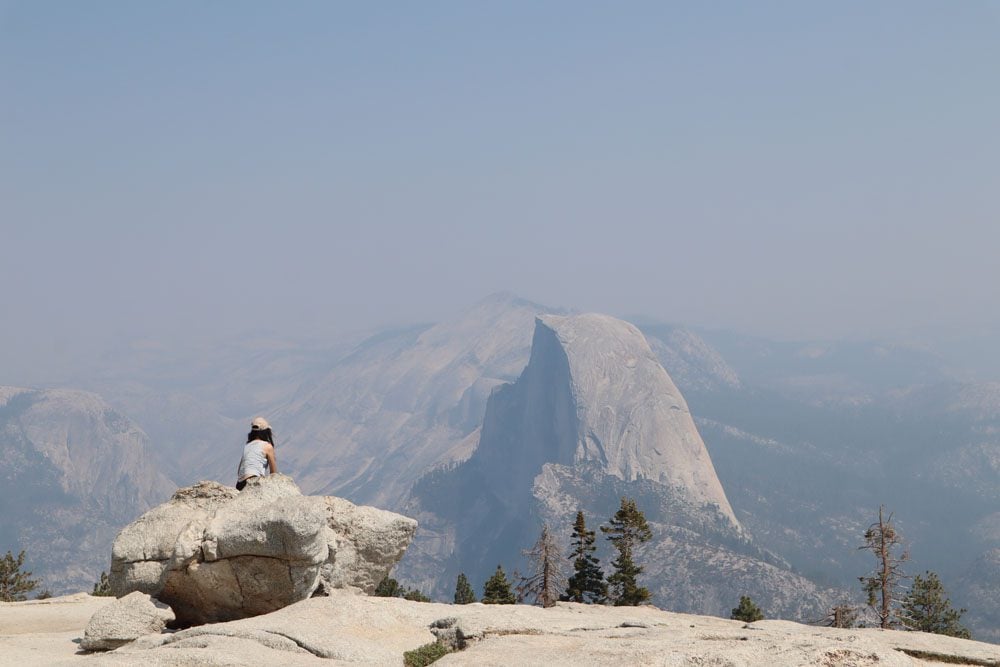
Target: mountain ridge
[{"x": 803, "y": 470}]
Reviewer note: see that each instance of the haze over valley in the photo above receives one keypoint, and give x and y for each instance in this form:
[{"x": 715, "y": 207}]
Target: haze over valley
[
  {"x": 491, "y": 265},
  {"x": 431, "y": 421}
]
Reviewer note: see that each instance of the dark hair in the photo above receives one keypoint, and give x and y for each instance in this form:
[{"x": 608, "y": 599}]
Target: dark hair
[{"x": 260, "y": 434}]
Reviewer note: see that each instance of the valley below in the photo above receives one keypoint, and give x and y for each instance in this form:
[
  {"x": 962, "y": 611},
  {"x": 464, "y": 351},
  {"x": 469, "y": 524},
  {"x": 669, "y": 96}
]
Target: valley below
[{"x": 758, "y": 464}]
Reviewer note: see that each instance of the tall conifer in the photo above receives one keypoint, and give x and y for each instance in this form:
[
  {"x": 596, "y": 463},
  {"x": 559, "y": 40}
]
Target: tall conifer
[
  {"x": 497, "y": 589},
  {"x": 927, "y": 608},
  {"x": 463, "y": 591},
  {"x": 625, "y": 531},
  {"x": 587, "y": 583}
]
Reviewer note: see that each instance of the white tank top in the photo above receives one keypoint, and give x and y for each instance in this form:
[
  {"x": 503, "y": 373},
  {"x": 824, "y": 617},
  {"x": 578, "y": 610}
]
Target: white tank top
[{"x": 254, "y": 461}]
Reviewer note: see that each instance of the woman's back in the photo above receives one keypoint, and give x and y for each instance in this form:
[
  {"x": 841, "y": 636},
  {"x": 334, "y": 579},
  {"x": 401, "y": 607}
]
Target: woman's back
[{"x": 254, "y": 461}]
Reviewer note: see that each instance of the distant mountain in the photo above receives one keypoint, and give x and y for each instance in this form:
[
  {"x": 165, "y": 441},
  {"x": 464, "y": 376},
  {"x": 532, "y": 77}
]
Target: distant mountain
[
  {"x": 691, "y": 361},
  {"x": 807, "y": 463},
  {"x": 592, "y": 418},
  {"x": 196, "y": 404},
  {"x": 75, "y": 471},
  {"x": 807, "y": 439},
  {"x": 978, "y": 589},
  {"x": 821, "y": 372},
  {"x": 403, "y": 402}
]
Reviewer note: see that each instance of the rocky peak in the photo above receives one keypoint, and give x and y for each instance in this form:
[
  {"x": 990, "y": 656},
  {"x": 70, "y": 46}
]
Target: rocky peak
[
  {"x": 75, "y": 470},
  {"x": 594, "y": 393}
]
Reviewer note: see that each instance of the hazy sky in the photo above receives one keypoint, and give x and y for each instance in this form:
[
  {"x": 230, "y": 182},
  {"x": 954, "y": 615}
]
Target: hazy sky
[{"x": 186, "y": 169}]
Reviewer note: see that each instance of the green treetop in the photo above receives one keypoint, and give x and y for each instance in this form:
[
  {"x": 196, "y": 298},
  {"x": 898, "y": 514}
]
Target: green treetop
[
  {"x": 497, "y": 589},
  {"x": 747, "y": 611},
  {"x": 626, "y": 530},
  {"x": 926, "y": 608},
  {"x": 587, "y": 583},
  {"x": 15, "y": 583},
  {"x": 390, "y": 588},
  {"x": 463, "y": 591}
]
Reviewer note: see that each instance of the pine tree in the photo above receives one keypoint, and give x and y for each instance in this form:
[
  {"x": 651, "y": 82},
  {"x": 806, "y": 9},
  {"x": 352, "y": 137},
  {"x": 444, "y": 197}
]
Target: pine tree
[
  {"x": 497, "y": 589},
  {"x": 415, "y": 595},
  {"x": 587, "y": 583},
  {"x": 545, "y": 558},
  {"x": 882, "y": 585},
  {"x": 927, "y": 608},
  {"x": 747, "y": 611},
  {"x": 627, "y": 529},
  {"x": 463, "y": 591},
  {"x": 102, "y": 588},
  {"x": 15, "y": 583},
  {"x": 389, "y": 588}
]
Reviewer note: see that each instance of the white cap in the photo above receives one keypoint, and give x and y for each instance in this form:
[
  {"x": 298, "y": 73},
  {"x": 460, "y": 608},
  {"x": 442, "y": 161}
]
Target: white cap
[{"x": 259, "y": 424}]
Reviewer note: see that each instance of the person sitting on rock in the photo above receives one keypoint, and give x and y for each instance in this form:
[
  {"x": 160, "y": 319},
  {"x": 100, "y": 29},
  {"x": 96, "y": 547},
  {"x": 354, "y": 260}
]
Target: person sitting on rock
[{"x": 258, "y": 454}]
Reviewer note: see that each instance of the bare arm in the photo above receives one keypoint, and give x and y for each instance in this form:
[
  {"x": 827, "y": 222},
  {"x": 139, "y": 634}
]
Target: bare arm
[{"x": 271, "y": 462}]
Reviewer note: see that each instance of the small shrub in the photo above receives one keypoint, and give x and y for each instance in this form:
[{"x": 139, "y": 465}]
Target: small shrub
[
  {"x": 747, "y": 612},
  {"x": 390, "y": 588},
  {"x": 425, "y": 655},
  {"x": 416, "y": 596}
]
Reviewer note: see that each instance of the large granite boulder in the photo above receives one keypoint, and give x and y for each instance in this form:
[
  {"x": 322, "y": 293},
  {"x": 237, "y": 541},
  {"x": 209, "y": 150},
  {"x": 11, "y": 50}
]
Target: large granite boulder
[{"x": 215, "y": 554}]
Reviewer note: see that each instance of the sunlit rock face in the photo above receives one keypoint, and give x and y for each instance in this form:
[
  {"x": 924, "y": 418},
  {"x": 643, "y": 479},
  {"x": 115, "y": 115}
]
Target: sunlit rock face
[{"x": 594, "y": 394}]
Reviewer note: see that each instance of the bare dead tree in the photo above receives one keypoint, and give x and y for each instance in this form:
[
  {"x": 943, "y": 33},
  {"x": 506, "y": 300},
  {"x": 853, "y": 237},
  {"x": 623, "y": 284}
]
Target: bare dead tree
[
  {"x": 548, "y": 571},
  {"x": 842, "y": 615},
  {"x": 882, "y": 585}
]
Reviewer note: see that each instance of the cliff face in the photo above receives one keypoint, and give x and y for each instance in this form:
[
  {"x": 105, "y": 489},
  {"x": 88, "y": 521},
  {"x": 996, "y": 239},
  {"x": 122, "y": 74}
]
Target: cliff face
[
  {"x": 75, "y": 471},
  {"x": 594, "y": 417},
  {"x": 594, "y": 394}
]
